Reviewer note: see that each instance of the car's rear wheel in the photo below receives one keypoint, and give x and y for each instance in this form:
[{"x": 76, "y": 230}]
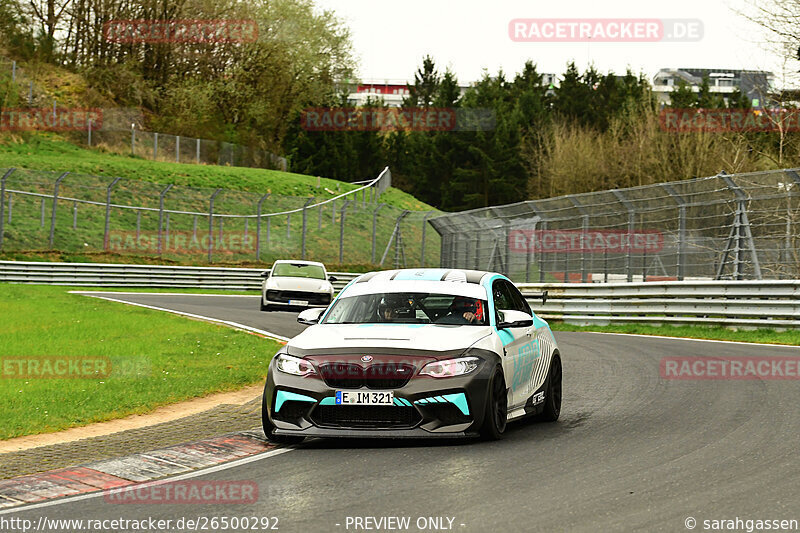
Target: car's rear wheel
[
  {"x": 269, "y": 427},
  {"x": 494, "y": 419},
  {"x": 552, "y": 401}
]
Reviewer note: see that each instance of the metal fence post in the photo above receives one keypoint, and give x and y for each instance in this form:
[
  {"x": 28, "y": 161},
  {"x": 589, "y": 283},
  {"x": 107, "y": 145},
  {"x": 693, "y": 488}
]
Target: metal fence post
[
  {"x": 41, "y": 214},
  {"x": 541, "y": 256},
  {"x": 303, "y": 238},
  {"x": 397, "y": 239},
  {"x": 74, "y": 215},
  {"x": 108, "y": 212},
  {"x": 160, "y": 217},
  {"x": 584, "y": 230},
  {"x": 422, "y": 247},
  {"x": 341, "y": 232},
  {"x": 631, "y": 226},
  {"x": 211, "y": 223},
  {"x": 258, "y": 227},
  {"x": 30, "y": 93},
  {"x": 197, "y": 155},
  {"x": 133, "y": 139},
  {"x": 681, "y": 260},
  {"x": 155, "y": 146},
  {"x": 3, "y": 203},
  {"x": 375, "y": 228},
  {"x": 138, "y": 224},
  {"x": 741, "y": 235},
  {"x": 14, "y": 71},
  {"x": 55, "y": 201},
  {"x": 177, "y": 148},
  {"x": 90, "y": 132}
]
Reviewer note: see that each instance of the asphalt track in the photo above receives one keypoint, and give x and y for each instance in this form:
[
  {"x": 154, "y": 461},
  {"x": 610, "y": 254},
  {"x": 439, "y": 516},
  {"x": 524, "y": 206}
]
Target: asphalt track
[{"x": 631, "y": 451}]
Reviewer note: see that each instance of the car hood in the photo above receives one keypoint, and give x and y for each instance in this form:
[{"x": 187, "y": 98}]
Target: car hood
[
  {"x": 296, "y": 284},
  {"x": 422, "y": 337}
]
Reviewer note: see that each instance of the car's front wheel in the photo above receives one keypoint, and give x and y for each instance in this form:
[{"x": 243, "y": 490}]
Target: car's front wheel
[
  {"x": 269, "y": 427},
  {"x": 496, "y": 415},
  {"x": 265, "y": 307}
]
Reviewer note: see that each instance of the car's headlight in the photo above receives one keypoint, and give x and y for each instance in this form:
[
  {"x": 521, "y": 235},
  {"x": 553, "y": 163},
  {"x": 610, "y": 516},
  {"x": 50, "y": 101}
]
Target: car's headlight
[
  {"x": 450, "y": 367},
  {"x": 294, "y": 365}
]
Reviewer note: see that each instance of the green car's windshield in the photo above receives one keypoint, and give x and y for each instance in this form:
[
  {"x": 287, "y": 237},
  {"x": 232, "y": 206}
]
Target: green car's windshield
[
  {"x": 408, "y": 308},
  {"x": 298, "y": 270}
]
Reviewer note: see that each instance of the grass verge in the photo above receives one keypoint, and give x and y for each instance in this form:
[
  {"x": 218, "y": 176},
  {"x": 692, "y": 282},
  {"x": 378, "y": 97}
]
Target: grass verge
[
  {"x": 155, "y": 359},
  {"x": 764, "y": 336}
]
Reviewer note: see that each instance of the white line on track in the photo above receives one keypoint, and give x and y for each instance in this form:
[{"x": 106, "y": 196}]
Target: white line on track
[
  {"x": 188, "y": 475},
  {"x": 681, "y": 338},
  {"x": 190, "y": 315},
  {"x": 168, "y": 293}
]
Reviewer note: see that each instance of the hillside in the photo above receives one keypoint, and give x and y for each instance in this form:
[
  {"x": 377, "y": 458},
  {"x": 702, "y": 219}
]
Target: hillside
[
  {"x": 50, "y": 152},
  {"x": 79, "y": 226}
]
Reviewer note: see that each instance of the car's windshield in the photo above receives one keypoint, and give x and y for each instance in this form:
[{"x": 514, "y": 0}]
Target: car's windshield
[
  {"x": 408, "y": 308},
  {"x": 298, "y": 270}
]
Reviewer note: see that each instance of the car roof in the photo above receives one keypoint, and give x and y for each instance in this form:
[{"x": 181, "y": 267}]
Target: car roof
[
  {"x": 298, "y": 262},
  {"x": 431, "y": 280},
  {"x": 427, "y": 274}
]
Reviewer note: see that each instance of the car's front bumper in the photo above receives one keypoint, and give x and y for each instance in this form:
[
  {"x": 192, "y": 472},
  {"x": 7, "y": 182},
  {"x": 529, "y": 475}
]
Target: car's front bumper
[
  {"x": 423, "y": 408},
  {"x": 280, "y": 298}
]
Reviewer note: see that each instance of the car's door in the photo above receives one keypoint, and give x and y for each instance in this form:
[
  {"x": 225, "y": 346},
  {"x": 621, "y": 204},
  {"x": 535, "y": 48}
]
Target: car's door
[
  {"x": 534, "y": 354},
  {"x": 518, "y": 343}
]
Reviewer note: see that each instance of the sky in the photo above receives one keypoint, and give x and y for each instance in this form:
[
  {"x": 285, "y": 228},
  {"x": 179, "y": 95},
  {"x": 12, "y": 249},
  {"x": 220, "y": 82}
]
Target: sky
[{"x": 391, "y": 37}]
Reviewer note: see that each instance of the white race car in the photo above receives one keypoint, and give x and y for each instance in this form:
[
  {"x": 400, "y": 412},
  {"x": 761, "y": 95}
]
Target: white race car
[
  {"x": 415, "y": 353},
  {"x": 296, "y": 284}
]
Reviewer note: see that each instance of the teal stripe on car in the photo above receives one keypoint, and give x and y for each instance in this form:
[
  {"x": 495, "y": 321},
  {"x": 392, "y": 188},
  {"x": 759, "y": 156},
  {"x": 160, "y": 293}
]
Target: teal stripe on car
[
  {"x": 330, "y": 400},
  {"x": 284, "y": 396},
  {"x": 459, "y": 399}
]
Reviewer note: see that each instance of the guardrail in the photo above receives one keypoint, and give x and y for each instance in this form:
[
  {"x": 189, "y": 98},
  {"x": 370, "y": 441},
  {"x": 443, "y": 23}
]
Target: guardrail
[
  {"x": 153, "y": 276},
  {"x": 748, "y": 304}
]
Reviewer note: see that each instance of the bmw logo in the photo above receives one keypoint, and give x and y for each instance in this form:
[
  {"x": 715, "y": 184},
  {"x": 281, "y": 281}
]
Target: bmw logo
[{"x": 366, "y": 358}]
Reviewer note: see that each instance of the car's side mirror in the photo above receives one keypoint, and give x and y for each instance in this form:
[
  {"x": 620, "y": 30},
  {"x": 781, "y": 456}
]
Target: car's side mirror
[
  {"x": 332, "y": 278},
  {"x": 265, "y": 274},
  {"x": 514, "y": 319},
  {"x": 310, "y": 316}
]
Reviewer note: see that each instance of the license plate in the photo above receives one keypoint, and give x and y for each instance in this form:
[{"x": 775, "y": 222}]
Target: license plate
[
  {"x": 364, "y": 398},
  {"x": 298, "y": 302}
]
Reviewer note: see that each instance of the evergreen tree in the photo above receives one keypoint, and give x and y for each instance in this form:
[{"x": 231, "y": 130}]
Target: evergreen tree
[{"x": 682, "y": 96}]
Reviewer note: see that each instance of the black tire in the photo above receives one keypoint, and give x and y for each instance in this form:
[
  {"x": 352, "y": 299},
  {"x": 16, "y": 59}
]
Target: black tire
[
  {"x": 269, "y": 428},
  {"x": 496, "y": 414},
  {"x": 552, "y": 401},
  {"x": 265, "y": 307}
]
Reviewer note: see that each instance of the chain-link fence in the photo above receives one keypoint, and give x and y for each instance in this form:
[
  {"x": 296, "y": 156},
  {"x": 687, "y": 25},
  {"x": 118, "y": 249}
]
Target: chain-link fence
[
  {"x": 119, "y": 130},
  {"x": 743, "y": 226},
  {"x": 74, "y": 212}
]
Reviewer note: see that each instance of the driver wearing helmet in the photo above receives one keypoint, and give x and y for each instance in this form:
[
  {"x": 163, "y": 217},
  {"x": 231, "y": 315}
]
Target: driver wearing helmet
[
  {"x": 390, "y": 307},
  {"x": 464, "y": 310}
]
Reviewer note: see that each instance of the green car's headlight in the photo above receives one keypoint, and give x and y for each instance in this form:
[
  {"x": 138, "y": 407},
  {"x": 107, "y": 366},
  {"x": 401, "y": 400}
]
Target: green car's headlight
[
  {"x": 293, "y": 365},
  {"x": 450, "y": 367}
]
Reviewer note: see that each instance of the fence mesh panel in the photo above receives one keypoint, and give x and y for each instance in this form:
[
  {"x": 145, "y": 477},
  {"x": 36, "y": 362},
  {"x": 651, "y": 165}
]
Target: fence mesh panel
[
  {"x": 199, "y": 225},
  {"x": 742, "y": 226}
]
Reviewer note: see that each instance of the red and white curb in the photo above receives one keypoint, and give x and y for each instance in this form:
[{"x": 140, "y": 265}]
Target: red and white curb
[{"x": 131, "y": 470}]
